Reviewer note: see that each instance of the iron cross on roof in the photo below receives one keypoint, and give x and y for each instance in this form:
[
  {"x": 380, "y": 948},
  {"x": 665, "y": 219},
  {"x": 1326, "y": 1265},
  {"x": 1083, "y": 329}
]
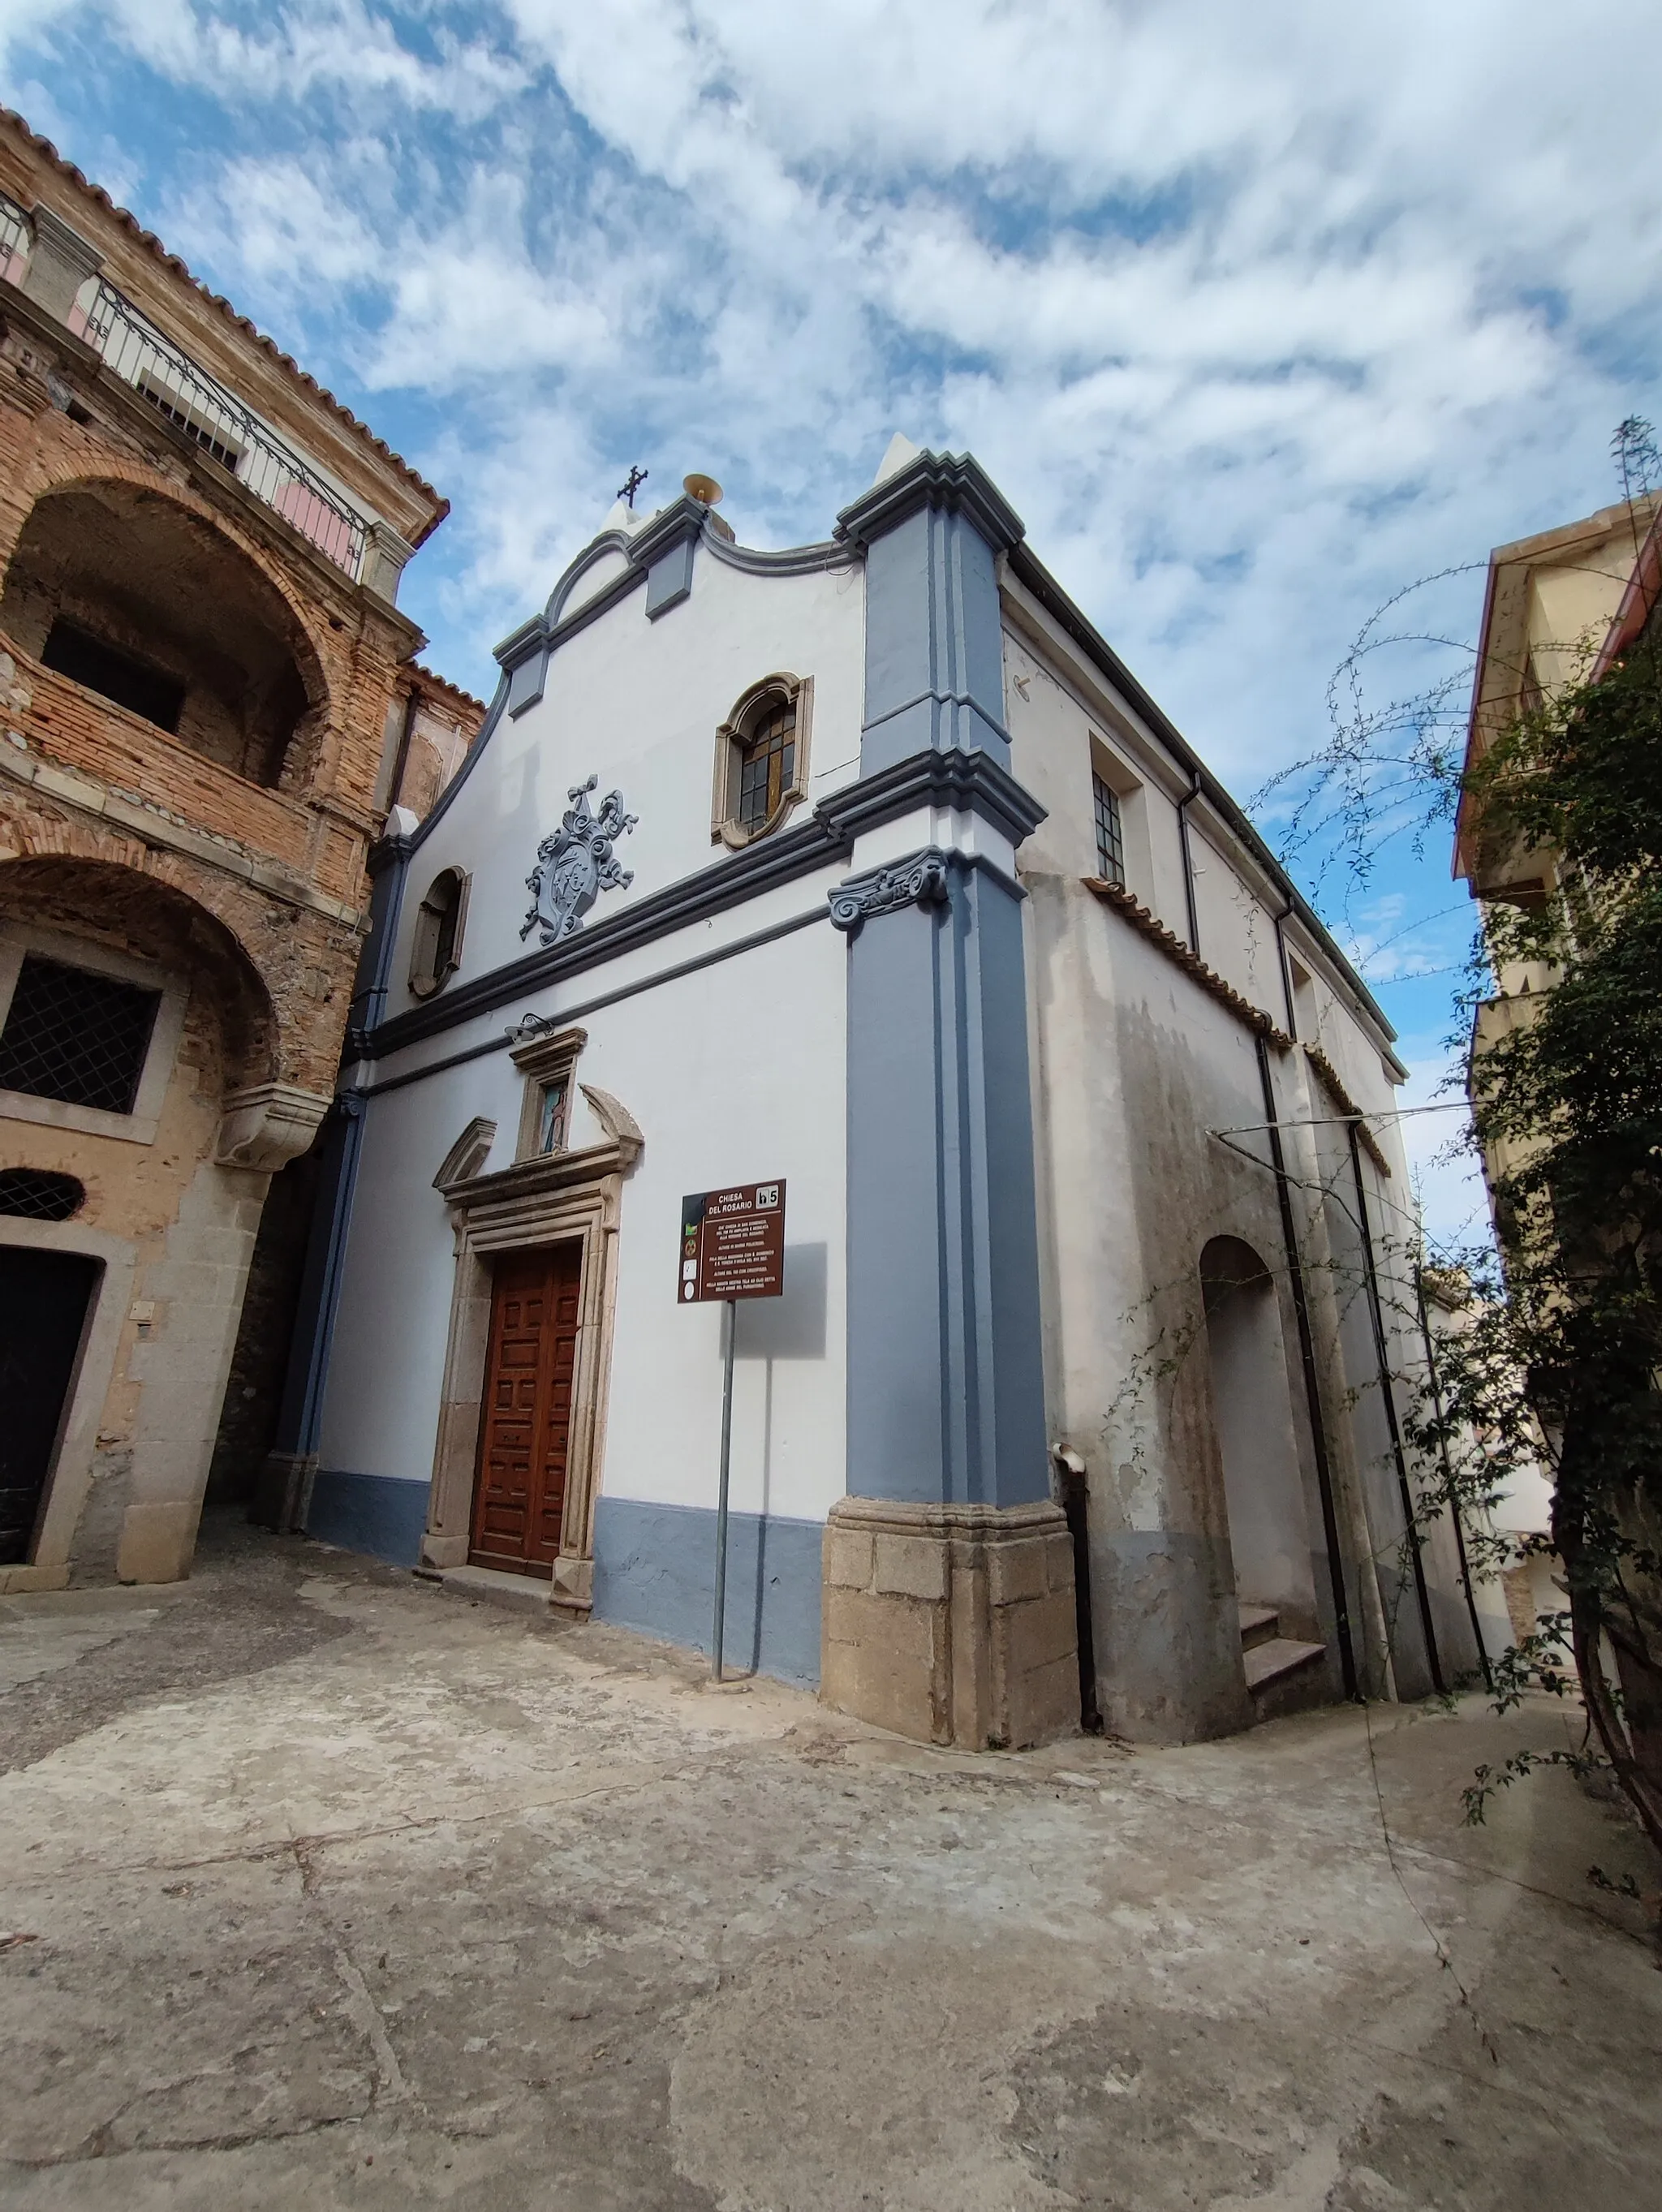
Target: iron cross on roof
[{"x": 631, "y": 485}]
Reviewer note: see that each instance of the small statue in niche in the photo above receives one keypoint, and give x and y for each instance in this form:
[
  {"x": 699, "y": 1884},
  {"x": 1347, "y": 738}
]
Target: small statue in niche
[{"x": 577, "y": 864}]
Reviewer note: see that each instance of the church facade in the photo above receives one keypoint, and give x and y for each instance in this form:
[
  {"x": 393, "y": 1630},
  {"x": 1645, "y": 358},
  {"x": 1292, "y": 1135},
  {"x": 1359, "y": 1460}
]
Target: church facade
[{"x": 867, "y": 869}]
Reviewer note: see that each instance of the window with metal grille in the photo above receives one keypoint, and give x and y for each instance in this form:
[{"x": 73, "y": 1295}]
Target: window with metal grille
[
  {"x": 37, "y": 1195},
  {"x": 1111, "y": 835},
  {"x": 767, "y": 761},
  {"x": 76, "y": 1037}
]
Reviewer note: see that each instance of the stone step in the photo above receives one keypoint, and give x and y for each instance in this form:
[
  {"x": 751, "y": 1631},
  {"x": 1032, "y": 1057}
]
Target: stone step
[
  {"x": 1259, "y": 1622},
  {"x": 1267, "y": 1662},
  {"x": 490, "y": 1586}
]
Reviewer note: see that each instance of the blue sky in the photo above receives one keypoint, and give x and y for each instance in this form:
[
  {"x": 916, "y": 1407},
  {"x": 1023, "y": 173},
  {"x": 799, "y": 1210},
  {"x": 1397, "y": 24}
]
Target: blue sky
[{"x": 1256, "y": 314}]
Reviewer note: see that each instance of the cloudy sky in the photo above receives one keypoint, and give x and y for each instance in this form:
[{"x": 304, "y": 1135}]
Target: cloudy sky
[{"x": 1256, "y": 314}]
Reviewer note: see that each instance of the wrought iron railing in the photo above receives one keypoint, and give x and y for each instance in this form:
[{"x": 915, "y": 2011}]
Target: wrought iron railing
[
  {"x": 16, "y": 235},
  {"x": 207, "y": 413}
]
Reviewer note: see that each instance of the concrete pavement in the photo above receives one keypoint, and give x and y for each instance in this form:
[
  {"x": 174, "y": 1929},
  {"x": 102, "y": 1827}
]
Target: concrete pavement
[{"x": 324, "y": 1888}]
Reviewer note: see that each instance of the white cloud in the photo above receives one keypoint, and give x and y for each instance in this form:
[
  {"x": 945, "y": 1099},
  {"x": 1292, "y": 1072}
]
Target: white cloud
[
  {"x": 1253, "y": 312},
  {"x": 1453, "y": 1203}
]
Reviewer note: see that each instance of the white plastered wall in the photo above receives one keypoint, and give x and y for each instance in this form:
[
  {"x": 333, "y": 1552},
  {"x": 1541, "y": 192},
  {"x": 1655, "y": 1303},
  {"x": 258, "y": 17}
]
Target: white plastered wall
[
  {"x": 637, "y": 704},
  {"x": 733, "y": 1072},
  {"x": 1136, "y": 1064}
]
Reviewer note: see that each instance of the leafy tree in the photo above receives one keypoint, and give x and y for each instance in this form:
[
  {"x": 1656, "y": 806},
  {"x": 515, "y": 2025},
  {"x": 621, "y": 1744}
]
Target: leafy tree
[{"x": 1558, "y": 1358}]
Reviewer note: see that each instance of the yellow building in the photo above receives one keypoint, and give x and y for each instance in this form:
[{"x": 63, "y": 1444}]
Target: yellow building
[{"x": 1550, "y": 618}]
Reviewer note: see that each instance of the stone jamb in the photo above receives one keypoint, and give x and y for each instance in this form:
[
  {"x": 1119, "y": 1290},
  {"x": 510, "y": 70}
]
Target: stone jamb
[
  {"x": 560, "y": 1197},
  {"x": 69, "y": 1476},
  {"x": 544, "y": 1060}
]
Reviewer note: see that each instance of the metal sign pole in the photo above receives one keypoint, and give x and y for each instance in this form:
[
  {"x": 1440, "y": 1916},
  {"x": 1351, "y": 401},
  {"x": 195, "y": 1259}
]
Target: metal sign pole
[{"x": 721, "y": 1496}]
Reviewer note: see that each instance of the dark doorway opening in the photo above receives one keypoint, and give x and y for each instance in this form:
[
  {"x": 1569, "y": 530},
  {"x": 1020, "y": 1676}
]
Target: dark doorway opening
[
  {"x": 44, "y": 1301},
  {"x": 1075, "y": 1504}
]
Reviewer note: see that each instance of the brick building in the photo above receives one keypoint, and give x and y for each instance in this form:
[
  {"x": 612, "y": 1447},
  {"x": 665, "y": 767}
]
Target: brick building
[{"x": 208, "y": 704}]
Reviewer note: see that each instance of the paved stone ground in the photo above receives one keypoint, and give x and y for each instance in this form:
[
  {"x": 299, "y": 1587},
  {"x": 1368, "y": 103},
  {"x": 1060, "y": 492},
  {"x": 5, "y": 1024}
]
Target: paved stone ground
[{"x": 327, "y": 1889}]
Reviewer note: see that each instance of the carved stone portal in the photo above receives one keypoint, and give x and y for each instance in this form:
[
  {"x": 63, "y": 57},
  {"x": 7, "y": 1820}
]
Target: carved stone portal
[{"x": 577, "y": 864}]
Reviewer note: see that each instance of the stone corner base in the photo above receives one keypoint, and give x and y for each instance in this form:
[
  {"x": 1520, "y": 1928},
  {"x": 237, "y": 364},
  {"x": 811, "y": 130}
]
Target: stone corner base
[
  {"x": 572, "y": 1590},
  {"x": 283, "y": 1492},
  {"x": 157, "y": 1541},
  {"x": 951, "y": 1624}
]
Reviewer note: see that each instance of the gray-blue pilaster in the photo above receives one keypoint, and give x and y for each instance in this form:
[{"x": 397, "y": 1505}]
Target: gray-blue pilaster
[
  {"x": 935, "y": 665},
  {"x": 945, "y": 1384}
]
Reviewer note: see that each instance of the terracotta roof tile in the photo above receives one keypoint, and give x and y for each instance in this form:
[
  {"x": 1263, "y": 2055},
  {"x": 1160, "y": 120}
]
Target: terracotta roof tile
[{"x": 153, "y": 245}]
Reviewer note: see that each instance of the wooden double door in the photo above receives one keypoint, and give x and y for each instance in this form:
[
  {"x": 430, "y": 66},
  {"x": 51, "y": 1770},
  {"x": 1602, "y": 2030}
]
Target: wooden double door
[{"x": 524, "y": 1418}]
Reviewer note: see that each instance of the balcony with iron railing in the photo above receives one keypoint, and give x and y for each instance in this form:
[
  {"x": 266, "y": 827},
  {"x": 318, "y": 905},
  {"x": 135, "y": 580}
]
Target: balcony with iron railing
[{"x": 213, "y": 418}]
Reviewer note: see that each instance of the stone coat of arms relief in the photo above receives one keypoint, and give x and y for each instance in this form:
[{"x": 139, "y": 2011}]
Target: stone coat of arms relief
[{"x": 577, "y": 863}]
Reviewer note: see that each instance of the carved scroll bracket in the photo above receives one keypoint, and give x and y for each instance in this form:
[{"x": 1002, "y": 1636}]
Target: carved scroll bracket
[{"x": 919, "y": 881}]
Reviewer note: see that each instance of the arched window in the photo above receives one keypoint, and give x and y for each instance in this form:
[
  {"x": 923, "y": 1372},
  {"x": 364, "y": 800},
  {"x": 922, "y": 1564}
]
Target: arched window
[
  {"x": 762, "y": 759},
  {"x": 436, "y": 948}
]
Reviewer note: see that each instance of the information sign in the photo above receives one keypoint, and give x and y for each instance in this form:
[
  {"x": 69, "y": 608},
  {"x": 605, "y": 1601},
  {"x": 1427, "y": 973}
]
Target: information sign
[{"x": 732, "y": 1244}]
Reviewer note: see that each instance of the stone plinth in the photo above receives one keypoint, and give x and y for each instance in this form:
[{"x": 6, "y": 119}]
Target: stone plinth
[{"x": 951, "y": 1624}]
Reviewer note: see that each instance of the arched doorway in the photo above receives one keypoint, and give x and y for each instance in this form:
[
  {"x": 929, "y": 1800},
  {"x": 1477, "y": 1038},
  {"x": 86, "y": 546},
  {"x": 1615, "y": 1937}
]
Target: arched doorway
[
  {"x": 1269, "y": 1528},
  {"x": 135, "y": 1030}
]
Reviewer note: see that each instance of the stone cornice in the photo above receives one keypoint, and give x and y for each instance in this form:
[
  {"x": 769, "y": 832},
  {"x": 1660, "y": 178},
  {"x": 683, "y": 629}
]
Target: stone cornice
[
  {"x": 971, "y": 781},
  {"x": 954, "y": 482},
  {"x": 77, "y": 788},
  {"x": 682, "y": 518},
  {"x": 548, "y": 1172}
]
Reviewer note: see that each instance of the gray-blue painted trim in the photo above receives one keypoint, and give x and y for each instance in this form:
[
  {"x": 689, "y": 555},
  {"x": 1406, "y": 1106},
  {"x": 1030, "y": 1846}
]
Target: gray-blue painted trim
[
  {"x": 792, "y": 561},
  {"x": 526, "y": 680},
  {"x": 951, "y": 483},
  {"x": 598, "y": 549},
  {"x": 300, "y": 1422},
  {"x": 669, "y": 580},
  {"x": 377, "y": 1514},
  {"x": 654, "y": 1570},
  {"x": 946, "y": 1393},
  {"x": 919, "y": 880},
  {"x": 538, "y": 639},
  {"x": 587, "y": 1006},
  {"x": 974, "y": 783},
  {"x": 306, "y": 1377},
  {"x": 934, "y": 645}
]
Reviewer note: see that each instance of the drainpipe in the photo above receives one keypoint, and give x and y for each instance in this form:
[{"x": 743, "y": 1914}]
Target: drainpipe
[
  {"x": 1376, "y": 1314},
  {"x": 1075, "y": 1500},
  {"x": 1312, "y": 1393},
  {"x": 401, "y": 759},
  {"x": 284, "y": 1496},
  {"x": 1286, "y": 974},
  {"x": 1183, "y": 805},
  {"x": 1448, "y": 1477}
]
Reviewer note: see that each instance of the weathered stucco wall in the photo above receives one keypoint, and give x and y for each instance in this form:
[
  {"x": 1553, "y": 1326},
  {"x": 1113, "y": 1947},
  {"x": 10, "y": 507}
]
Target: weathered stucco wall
[
  {"x": 1151, "y": 1116},
  {"x": 226, "y": 861}
]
